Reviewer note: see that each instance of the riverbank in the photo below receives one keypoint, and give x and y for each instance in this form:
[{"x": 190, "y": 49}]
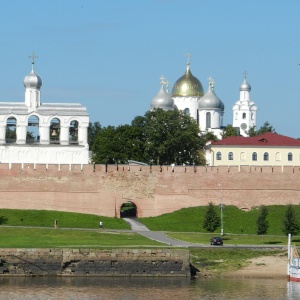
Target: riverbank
[
  {"x": 261, "y": 267},
  {"x": 264, "y": 267}
]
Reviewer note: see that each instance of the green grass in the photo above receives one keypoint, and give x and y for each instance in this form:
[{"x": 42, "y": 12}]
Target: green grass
[
  {"x": 236, "y": 221},
  {"x": 220, "y": 260},
  {"x": 45, "y": 218},
  {"x": 51, "y": 238}
]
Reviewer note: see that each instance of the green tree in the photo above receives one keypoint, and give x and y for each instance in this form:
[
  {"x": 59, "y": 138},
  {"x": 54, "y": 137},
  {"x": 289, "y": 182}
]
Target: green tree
[
  {"x": 211, "y": 220},
  {"x": 115, "y": 145},
  {"x": 204, "y": 138},
  {"x": 261, "y": 222},
  {"x": 290, "y": 223},
  {"x": 160, "y": 137},
  {"x": 171, "y": 137},
  {"x": 229, "y": 130},
  {"x": 263, "y": 129},
  {"x": 93, "y": 130}
]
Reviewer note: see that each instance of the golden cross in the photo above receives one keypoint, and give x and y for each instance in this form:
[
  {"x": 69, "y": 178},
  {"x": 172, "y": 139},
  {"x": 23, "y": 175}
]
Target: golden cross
[{"x": 188, "y": 55}]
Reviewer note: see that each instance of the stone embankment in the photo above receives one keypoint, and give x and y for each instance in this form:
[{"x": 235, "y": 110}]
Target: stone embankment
[{"x": 93, "y": 262}]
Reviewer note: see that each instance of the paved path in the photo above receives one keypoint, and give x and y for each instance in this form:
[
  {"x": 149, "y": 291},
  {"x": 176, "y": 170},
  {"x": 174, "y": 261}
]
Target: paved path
[{"x": 156, "y": 235}]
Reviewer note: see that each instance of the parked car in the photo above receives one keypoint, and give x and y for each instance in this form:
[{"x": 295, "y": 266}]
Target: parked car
[{"x": 216, "y": 241}]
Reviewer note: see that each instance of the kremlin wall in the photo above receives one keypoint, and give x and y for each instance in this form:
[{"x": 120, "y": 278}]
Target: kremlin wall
[{"x": 155, "y": 190}]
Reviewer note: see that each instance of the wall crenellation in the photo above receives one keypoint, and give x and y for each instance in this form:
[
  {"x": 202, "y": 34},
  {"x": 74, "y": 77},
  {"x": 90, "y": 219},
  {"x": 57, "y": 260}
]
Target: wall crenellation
[{"x": 149, "y": 169}]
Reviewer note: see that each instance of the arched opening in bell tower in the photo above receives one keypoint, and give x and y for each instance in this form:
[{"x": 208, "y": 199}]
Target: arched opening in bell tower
[
  {"x": 73, "y": 132},
  {"x": 128, "y": 210},
  {"x": 11, "y": 130},
  {"x": 33, "y": 135},
  {"x": 54, "y": 131}
]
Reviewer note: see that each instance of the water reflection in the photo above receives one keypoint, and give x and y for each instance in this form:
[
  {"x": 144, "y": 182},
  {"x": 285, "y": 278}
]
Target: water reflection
[{"x": 146, "y": 288}]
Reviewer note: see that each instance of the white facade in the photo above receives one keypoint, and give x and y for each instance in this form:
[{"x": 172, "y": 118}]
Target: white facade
[
  {"x": 244, "y": 110},
  {"x": 61, "y": 129},
  {"x": 189, "y": 105}
]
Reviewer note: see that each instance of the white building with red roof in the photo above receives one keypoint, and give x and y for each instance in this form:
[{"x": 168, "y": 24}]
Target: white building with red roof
[{"x": 268, "y": 149}]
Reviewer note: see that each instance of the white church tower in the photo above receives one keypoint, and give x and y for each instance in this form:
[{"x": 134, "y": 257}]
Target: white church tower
[{"x": 244, "y": 110}]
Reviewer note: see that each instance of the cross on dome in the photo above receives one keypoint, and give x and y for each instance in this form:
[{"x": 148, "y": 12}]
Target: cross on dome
[
  {"x": 32, "y": 56},
  {"x": 162, "y": 79},
  {"x": 188, "y": 55},
  {"x": 211, "y": 82},
  {"x": 245, "y": 74}
]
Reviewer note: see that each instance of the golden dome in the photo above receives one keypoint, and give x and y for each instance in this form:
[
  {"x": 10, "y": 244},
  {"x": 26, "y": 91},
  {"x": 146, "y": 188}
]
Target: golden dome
[{"x": 187, "y": 85}]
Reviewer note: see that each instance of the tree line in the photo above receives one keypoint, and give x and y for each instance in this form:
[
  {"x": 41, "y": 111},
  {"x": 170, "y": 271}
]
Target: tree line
[{"x": 159, "y": 137}]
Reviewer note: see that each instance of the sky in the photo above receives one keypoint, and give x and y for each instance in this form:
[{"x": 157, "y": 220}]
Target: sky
[{"x": 109, "y": 55}]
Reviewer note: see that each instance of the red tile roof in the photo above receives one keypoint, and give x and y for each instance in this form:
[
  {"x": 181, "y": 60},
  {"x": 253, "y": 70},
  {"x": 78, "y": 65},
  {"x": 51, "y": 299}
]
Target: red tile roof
[{"x": 266, "y": 139}]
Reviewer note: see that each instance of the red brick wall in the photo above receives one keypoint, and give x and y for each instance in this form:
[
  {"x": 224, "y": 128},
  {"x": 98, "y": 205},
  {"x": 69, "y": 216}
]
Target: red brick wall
[{"x": 155, "y": 190}]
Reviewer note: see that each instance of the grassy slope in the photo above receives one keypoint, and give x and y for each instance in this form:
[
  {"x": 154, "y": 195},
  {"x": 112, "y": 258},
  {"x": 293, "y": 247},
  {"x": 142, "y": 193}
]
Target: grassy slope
[
  {"x": 44, "y": 218},
  {"x": 236, "y": 221}
]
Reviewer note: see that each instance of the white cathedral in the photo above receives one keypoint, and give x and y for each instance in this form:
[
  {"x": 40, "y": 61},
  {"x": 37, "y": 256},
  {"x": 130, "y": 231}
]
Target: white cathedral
[
  {"x": 206, "y": 108},
  {"x": 42, "y": 133}
]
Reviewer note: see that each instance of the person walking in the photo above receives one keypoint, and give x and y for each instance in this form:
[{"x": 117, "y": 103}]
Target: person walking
[{"x": 101, "y": 225}]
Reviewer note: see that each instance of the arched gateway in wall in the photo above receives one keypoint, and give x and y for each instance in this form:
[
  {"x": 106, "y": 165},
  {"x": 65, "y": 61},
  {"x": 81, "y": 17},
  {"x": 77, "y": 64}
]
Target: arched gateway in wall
[{"x": 128, "y": 210}]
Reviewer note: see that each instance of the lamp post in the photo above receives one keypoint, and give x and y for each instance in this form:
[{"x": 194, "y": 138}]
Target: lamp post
[{"x": 221, "y": 209}]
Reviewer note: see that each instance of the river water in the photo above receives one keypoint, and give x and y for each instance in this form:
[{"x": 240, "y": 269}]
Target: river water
[{"x": 105, "y": 288}]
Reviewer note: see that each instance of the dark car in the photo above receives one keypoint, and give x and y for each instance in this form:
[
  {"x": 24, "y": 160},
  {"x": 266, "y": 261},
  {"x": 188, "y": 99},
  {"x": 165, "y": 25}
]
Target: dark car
[{"x": 216, "y": 241}]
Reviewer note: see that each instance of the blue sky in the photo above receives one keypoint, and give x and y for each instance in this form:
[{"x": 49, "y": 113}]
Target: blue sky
[{"x": 109, "y": 55}]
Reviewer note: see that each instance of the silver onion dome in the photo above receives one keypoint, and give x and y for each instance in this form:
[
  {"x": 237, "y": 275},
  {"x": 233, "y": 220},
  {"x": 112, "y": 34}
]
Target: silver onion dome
[
  {"x": 210, "y": 100},
  {"x": 162, "y": 100},
  {"x": 32, "y": 80},
  {"x": 245, "y": 86}
]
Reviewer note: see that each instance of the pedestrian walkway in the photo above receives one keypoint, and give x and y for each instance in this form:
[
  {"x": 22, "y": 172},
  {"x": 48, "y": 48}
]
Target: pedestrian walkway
[{"x": 155, "y": 235}]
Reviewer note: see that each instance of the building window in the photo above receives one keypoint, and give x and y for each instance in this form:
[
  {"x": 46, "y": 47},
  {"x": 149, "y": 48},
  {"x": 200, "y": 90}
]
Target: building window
[
  {"x": 243, "y": 156},
  {"x": 290, "y": 156},
  {"x": 230, "y": 156},
  {"x": 266, "y": 156},
  {"x": 187, "y": 111},
  {"x": 277, "y": 156},
  {"x": 219, "y": 155},
  {"x": 208, "y": 120},
  {"x": 244, "y": 115},
  {"x": 254, "y": 156}
]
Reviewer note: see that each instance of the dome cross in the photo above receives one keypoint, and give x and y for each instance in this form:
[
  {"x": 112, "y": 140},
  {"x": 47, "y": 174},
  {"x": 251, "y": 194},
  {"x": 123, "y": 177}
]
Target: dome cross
[
  {"x": 188, "y": 55},
  {"x": 211, "y": 82},
  {"x": 32, "y": 56},
  {"x": 162, "y": 79}
]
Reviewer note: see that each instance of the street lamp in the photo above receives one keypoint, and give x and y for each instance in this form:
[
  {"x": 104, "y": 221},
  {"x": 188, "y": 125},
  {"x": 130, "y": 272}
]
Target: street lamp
[
  {"x": 222, "y": 227},
  {"x": 221, "y": 209}
]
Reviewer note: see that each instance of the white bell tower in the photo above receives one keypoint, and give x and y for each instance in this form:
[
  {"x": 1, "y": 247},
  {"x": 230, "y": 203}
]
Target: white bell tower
[{"x": 244, "y": 110}]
